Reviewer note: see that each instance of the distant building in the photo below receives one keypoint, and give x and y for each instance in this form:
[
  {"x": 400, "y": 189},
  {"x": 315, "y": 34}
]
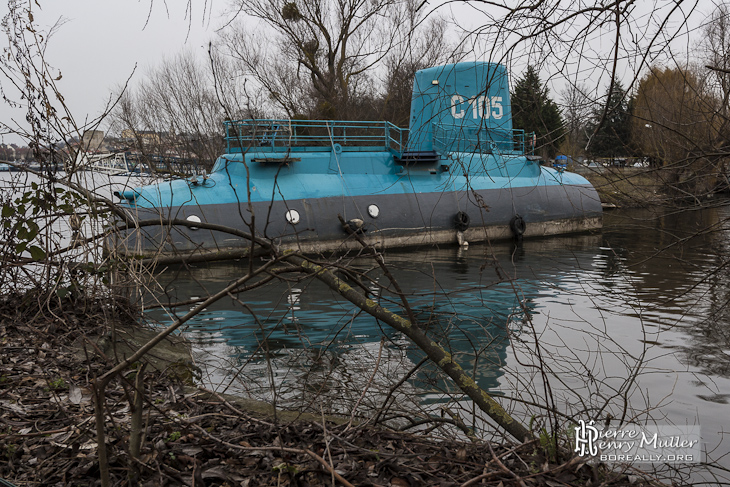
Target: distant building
[
  {"x": 7, "y": 152},
  {"x": 92, "y": 140},
  {"x": 146, "y": 136}
]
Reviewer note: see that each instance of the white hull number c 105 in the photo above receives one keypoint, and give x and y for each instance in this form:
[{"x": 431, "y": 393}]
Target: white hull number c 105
[{"x": 481, "y": 107}]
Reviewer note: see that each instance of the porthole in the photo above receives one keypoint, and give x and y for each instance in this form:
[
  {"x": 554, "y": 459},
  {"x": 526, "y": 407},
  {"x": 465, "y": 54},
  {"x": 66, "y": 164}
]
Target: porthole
[
  {"x": 194, "y": 219},
  {"x": 373, "y": 211},
  {"x": 292, "y": 216}
]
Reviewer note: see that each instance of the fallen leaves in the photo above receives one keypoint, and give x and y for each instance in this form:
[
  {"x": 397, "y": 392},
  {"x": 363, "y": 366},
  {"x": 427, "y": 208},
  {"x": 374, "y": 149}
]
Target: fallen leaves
[{"x": 197, "y": 438}]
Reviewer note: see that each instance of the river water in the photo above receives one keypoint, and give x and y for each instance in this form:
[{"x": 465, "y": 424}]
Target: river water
[{"x": 631, "y": 323}]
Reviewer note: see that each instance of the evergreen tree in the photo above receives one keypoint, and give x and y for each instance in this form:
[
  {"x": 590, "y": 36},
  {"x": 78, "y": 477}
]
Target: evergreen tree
[
  {"x": 613, "y": 136},
  {"x": 534, "y": 111}
]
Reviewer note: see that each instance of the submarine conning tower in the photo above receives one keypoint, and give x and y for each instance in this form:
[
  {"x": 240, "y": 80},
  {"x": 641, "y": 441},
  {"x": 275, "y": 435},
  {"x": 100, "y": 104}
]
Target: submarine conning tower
[{"x": 462, "y": 107}]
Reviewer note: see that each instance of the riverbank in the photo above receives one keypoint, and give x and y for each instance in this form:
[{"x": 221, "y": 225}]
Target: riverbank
[
  {"x": 196, "y": 437},
  {"x": 633, "y": 187},
  {"x": 625, "y": 187}
]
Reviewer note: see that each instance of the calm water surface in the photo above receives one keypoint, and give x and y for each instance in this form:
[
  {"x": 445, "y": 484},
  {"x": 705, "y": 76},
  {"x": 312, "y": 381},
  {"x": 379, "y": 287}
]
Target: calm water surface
[
  {"x": 646, "y": 299},
  {"x": 633, "y": 322}
]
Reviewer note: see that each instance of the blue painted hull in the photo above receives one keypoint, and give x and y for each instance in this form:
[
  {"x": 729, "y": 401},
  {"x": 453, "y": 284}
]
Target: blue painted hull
[{"x": 416, "y": 206}]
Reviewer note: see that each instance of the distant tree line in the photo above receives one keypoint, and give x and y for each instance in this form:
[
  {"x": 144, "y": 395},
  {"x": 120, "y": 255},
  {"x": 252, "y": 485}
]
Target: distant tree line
[
  {"x": 675, "y": 116},
  {"x": 343, "y": 60}
]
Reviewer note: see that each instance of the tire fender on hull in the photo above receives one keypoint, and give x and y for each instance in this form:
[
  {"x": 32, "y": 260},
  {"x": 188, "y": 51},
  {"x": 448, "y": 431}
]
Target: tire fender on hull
[
  {"x": 518, "y": 226},
  {"x": 461, "y": 221}
]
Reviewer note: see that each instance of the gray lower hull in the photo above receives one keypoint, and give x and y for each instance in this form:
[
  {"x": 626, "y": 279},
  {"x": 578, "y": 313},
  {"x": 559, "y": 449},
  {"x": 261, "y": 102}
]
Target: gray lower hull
[{"x": 402, "y": 220}]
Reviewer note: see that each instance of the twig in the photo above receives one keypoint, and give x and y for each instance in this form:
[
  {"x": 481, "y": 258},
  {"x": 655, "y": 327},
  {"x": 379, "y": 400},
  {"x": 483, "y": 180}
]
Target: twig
[
  {"x": 40, "y": 433},
  {"x": 232, "y": 407},
  {"x": 274, "y": 449},
  {"x": 481, "y": 477},
  {"x": 396, "y": 386},
  {"x": 372, "y": 376},
  {"x": 438, "y": 421},
  {"x": 142, "y": 464},
  {"x": 297, "y": 451},
  {"x": 459, "y": 423},
  {"x": 503, "y": 467},
  {"x": 716, "y": 68},
  {"x": 136, "y": 429},
  {"x": 327, "y": 443}
]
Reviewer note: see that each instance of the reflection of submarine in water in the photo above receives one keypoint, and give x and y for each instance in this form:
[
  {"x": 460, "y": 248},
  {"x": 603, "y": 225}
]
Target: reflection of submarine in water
[{"x": 464, "y": 301}]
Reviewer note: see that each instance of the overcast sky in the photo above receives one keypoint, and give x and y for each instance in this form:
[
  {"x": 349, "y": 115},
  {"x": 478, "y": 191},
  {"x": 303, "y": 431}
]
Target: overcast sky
[{"x": 102, "y": 41}]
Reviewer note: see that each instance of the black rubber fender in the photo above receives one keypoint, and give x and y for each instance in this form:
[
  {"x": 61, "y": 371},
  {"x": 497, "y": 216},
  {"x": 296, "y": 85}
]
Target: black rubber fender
[
  {"x": 518, "y": 226},
  {"x": 461, "y": 221}
]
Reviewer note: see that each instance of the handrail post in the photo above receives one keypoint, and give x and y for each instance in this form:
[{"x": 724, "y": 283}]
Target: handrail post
[{"x": 228, "y": 137}]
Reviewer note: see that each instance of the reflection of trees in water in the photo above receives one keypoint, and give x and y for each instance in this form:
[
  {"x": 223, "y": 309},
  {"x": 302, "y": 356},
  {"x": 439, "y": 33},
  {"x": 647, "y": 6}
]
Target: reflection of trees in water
[
  {"x": 659, "y": 248},
  {"x": 710, "y": 348},
  {"x": 678, "y": 265}
]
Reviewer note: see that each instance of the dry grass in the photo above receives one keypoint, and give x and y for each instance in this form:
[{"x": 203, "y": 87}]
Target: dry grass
[{"x": 627, "y": 187}]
